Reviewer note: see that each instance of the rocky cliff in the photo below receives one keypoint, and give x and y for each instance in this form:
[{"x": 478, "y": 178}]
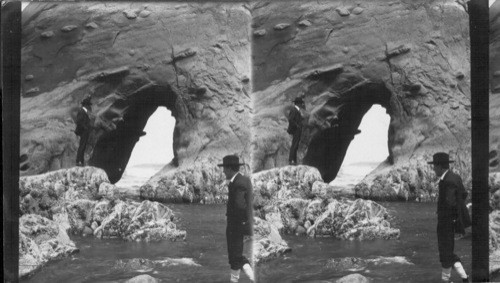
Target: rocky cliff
[
  {"x": 132, "y": 58},
  {"x": 411, "y": 57}
]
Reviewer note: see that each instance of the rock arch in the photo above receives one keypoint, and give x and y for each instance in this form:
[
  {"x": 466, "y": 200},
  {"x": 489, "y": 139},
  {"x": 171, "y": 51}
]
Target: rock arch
[
  {"x": 328, "y": 144},
  {"x": 413, "y": 58},
  {"x": 192, "y": 58}
]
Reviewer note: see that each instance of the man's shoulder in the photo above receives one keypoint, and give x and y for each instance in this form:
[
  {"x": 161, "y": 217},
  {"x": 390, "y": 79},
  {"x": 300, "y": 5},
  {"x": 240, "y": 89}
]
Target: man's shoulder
[
  {"x": 242, "y": 180},
  {"x": 452, "y": 177}
]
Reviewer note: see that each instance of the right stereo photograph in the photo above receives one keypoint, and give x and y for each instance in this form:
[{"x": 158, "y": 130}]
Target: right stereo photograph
[{"x": 361, "y": 141}]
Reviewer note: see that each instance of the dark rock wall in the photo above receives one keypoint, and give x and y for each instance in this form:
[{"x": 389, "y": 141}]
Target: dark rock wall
[
  {"x": 411, "y": 57},
  {"x": 193, "y": 59}
]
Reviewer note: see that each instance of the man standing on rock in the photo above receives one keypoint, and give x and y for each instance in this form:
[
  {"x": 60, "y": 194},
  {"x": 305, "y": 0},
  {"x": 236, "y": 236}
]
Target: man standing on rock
[
  {"x": 239, "y": 216},
  {"x": 452, "y": 215},
  {"x": 83, "y": 128},
  {"x": 295, "y": 128}
]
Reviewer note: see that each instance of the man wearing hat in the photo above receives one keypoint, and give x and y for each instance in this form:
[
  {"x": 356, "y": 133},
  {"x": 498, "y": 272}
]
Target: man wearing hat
[
  {"x": 239, "y": 216},
  {"x": 83, "y": 128},
  {"x": 452, "y": 215},
  {"x": 295, "y": 128}
]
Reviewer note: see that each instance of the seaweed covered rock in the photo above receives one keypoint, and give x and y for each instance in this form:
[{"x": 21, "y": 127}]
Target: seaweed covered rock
[
  {"x": 41, "y": 240},
  {"x": 268, "y": 243}
]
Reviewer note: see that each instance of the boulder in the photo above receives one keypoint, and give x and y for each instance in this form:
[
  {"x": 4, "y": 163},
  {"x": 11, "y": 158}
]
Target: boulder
[
  {"x": 198, "y": 184},
  {"x": 285, "y": 183},
  {"x": 353, "y": 278},
  {"x": 47, "y": 193},
  {"x": 268, "y": 243},
  {"x": 41, "y": 240},
  {"x": 146, "y": 221},
  {"x": 354, "y": 220}
]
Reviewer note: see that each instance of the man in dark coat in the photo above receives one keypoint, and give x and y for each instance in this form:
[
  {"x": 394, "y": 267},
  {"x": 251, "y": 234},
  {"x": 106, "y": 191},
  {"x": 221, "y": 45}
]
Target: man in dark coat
[
  {"x": 452, "y": 214},
  {"x": 295, "y": 128},
  {"x": 239, "y": 216},
  {"x": 83, "y": 128}
]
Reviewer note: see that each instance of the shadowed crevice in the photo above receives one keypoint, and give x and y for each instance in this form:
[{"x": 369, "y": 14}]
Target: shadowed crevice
[
  {"x": 114, "y": 148},
  {"x": 328, "y": 146}
]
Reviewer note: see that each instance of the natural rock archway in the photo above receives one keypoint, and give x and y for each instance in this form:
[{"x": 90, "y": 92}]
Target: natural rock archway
[
  {"x": 411, "y": 57},
  {"x": 131, "y": 58}
]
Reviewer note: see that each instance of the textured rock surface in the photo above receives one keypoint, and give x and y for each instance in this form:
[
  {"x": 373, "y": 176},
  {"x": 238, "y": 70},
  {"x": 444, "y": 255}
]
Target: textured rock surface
[
  {"x": 411, "y": 58},
  {"x": 200, "y": 184},
  {"x": 268, "y": 243},
  {"x": 193, "y": 59},
  {"x": 41, "y": 240}
]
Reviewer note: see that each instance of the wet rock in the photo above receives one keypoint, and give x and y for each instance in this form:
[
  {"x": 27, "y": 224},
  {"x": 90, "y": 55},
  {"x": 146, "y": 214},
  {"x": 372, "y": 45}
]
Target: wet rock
[
  {"x": 305, "y": 23},
  {"x": 358, "y": 264},
  {"x": 29, "y": 77},
  {"x": 144, "y": 278},
  {"x": 91, "y": 25},
  {"x": 281, "y": 26},
  {"x": 343, "y": 11},
  {"x": 148, "y": 265},
  {"x": 87, "y": 231},
  {"x": 68, "y": 28},
  {"x": 41, "y": 240},
  {"x": 358, "y": 10},
  {"x": 47, "y": 34},
  {"x": 130, "y": 14},
  {"x": 268, "y": 243},
  {"x": 260, "y": 32},
  {"x": 300, "y": 231},
  {"x": 353, "y": 278},
  {"x": 358, "y": 220},
  {"x": 147, "y": 221}
]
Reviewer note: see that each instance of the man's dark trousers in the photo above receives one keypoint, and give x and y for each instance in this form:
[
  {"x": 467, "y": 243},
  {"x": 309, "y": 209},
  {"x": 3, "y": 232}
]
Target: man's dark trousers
[
  {"x": 295, "y": 145},
  {"x": 234, "y": 236},
  {"x": 446, "y": 243},
  {"x": 84, "y": 138}
]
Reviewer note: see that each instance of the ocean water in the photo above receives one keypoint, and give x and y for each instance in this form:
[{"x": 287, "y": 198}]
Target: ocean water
[{"x": 203, "y": 256}]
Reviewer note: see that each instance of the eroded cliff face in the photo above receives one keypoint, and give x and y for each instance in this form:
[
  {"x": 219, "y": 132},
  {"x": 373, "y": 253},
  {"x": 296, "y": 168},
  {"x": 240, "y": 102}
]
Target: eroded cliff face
[
  {"x": 411, "y": 57},
  {"x": 131, "y": 58}
]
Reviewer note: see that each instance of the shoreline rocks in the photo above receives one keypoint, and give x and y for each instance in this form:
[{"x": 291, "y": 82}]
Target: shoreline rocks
[
  {"x": 73, "y": 201},
  {"x": 292, "y": 199}
]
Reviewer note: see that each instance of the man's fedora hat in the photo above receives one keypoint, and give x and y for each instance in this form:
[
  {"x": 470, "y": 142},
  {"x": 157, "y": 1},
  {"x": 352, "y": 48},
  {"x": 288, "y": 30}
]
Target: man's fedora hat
[
  {"x": 230, "y": 160},
  {"x": 440, "y": 158},
  {"x": 86, "y": 101},
  {"x": 298, "y": 100}
]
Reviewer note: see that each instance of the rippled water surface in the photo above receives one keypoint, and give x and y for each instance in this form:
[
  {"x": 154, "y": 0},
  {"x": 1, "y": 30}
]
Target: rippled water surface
[{"x": 416, "y": 253}]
